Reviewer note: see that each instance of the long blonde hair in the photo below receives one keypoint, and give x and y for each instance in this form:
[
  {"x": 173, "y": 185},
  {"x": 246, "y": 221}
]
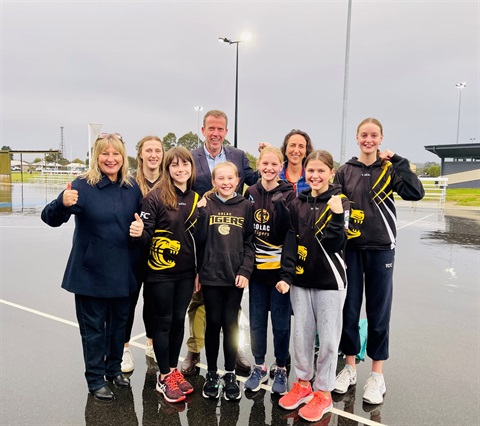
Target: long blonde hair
[
  {"x": 94, "y": 175},
  {"x": 140, "y": 176}
]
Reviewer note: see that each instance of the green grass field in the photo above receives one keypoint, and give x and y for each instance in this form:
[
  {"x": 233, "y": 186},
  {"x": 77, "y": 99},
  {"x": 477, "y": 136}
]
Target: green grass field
[
  {"x": 464, "y": 196},
  {"x": 456, "y": 196}
]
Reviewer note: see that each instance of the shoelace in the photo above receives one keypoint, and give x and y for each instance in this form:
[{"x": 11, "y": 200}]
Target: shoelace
[
  {"x": 344, "y": 376},
  {"x": 178, "y": 377},
  {"x": 375, "y": 384},
  {"x": 257, "y": 371},
  {"x": 316, "y": 400},
  {"x": 297, "y": 389},
  {"x": 171, "y": 382},
  {"x": 229, "y": 378},
  {"x": 280, "y": 375}
]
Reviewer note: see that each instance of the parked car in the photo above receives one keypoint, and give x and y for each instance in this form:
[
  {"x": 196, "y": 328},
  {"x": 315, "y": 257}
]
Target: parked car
[{"x": 15, "y": 169}]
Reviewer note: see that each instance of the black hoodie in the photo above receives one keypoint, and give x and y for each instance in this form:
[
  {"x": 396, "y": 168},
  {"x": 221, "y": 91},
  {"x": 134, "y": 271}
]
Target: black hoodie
[
  {"x": 271, "y": 221},
  {"x": 373, "y": 217},
  {"x": 169, "y": 234},
  {"x": 224, "y": 239},
  {"x": 313, "y": 253}
]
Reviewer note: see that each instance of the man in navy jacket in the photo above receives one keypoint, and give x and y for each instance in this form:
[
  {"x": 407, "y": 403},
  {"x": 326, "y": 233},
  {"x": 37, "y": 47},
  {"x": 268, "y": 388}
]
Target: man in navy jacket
[{"x": 206, "y": 157}]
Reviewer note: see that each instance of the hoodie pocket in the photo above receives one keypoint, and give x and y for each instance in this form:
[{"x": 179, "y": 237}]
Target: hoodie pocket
[{"x": 222, "y": 267}]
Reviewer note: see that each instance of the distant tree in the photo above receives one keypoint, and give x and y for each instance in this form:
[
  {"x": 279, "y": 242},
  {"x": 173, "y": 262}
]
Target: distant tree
[
  {"x": 53, "y": 157},
  {"x": 252, "y": 160},
  {"x": 169, "y": 140},
  {"x": 7, "y": 148},
  {"x": 37, "y": 160},
  {"x": 433, "y": 171},
  {"x": 132, "y": 163},
  {"x": 189, "y": 140},
  {"x": 77, "y": 160}
]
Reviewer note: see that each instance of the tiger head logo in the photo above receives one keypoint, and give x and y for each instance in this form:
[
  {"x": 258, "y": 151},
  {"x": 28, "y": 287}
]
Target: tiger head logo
[
  {"x": 158, "y": 249},
  {"x": 302, "y": 253}
]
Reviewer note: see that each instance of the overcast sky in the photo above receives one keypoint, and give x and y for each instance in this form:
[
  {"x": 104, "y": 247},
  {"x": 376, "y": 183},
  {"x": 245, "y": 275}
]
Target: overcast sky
[{"x": 139, "y": 68}]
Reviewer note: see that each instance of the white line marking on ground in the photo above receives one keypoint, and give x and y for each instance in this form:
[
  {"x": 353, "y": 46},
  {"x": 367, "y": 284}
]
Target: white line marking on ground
[
  {"x": 415, "y": 221},
  {"x": 42, "y": 314},
  {"x": 336, "y": 411}
]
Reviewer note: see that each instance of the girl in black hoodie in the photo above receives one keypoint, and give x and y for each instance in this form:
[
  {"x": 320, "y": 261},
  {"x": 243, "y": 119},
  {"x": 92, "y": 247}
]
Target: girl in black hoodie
[
  {"x": 269, "y": 197},
  {"x": 169, "y": 212},
  {"x": 225, "y": 256},
  {"x": 369, "y": 181},
  {"x": 313, "y": 268}
]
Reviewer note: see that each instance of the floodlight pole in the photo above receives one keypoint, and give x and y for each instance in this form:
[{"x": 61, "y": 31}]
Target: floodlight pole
[
  {"x": 198, "y": 109},
  {"x": 227, "y": 40},
  {"x": 345, "y": 85},
  {"x": 460, "y": 86}
]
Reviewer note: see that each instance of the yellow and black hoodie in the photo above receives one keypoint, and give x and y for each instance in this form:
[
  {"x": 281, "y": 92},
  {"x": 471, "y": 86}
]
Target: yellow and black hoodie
[
  {"x": 313, "y": 252},
  {"x": 224, "y": 239},
  {"x": 271, "y": 221},
  {"x": 373, "y": 217},
  {"x": 169, "y": 234}
]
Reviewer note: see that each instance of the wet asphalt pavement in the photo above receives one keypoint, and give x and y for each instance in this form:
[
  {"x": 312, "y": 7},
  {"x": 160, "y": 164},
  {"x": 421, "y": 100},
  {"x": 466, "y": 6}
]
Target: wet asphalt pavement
[{"x": 432, "y": 377}]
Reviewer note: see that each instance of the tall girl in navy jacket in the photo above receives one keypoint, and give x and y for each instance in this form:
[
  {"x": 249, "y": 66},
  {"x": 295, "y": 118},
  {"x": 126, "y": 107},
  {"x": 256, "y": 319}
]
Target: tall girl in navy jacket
[
  {"x": 169, "y": 213},
  {"x": 101, "y": 269},
  {"x": 314, "y": 270}
]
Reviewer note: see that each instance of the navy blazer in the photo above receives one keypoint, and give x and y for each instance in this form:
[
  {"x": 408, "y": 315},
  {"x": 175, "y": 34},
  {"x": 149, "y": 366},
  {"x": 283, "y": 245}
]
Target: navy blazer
[
  {"x": 103, "y": 259},
  {"x": 203, "y": 181}
]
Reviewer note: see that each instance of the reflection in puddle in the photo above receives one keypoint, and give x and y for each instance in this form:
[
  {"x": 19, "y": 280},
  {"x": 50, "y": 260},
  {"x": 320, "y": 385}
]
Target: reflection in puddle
[
  {"x": 27, "y": 198},
  {"x": 459, "y": 230}
]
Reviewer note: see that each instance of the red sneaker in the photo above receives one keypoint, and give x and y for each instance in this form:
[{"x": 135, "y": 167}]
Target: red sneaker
[
  {"x": 298, "y": 395},
  {"x": 184, "y": 386},
  {"x": 316, "y": 408},
  {"x": 169, "y": 389}
]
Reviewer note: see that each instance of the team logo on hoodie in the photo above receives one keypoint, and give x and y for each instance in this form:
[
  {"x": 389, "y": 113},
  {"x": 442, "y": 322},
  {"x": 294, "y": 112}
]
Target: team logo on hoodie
[
  {"x": 224, "y": 229},
  {"x": 261, "y": 216},
  {"x": 160, "y": 247}
]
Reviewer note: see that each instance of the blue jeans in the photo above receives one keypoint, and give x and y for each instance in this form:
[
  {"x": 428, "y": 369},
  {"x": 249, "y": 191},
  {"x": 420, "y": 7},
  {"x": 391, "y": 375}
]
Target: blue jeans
[
  {"x": 264, "y": 298},
  {"x": 102, "y": 324},
  {"x": 371, "y": 270}
]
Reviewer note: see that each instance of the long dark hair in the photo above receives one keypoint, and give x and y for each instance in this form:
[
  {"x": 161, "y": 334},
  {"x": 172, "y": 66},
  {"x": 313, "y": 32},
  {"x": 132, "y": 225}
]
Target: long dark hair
[
  {"x": 309, "y": 147},
  {"x": 167, "y": 192}
]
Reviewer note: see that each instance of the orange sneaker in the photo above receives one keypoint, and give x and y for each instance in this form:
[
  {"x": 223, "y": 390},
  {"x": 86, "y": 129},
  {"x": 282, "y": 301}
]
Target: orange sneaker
[
  {"x": 184, "y": 386},
  {"x": 298, "y": 395},
  {"x": 316, "y": 408}
]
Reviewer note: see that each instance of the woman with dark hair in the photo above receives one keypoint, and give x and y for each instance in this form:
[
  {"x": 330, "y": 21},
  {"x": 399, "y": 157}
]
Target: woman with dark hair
[
  {"x": 101, "y": 269},
  {"x": 297, "y": 145}
]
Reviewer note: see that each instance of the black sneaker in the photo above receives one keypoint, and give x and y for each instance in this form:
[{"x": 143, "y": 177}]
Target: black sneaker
[
  {"x": 211, "y": 387},
  {"x": 231, "y": 390}
]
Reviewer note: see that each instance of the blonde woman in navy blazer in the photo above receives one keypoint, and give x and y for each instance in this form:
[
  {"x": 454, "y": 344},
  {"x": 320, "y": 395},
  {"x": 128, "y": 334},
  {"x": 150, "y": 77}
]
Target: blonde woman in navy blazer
[{"x": 102, "y": 264}]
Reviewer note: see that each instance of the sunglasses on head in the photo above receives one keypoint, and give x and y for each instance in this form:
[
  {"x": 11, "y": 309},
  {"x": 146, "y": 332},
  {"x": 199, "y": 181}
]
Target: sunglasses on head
[{"x": 107, "y": 135}]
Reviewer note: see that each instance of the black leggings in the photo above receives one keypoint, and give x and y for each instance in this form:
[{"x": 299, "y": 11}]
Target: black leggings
[
  {"x": 170, "y": 300},
  {"x": 148, "y": 312},
  {"x": 221, "y": 308}
]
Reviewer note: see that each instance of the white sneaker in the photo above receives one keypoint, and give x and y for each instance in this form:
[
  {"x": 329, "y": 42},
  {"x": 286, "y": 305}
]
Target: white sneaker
[
  {"x": 346, "y": 378},
  {"x": 127, "y": 364},
  {"x": 150, "y": 352},
  {"x": 374, "y": 389}
]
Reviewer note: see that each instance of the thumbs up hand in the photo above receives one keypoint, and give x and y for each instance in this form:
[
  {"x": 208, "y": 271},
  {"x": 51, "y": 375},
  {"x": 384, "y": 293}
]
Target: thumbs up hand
[
  {"x": 70, "y": 196},
  {"x": 136, "y": 228}
]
